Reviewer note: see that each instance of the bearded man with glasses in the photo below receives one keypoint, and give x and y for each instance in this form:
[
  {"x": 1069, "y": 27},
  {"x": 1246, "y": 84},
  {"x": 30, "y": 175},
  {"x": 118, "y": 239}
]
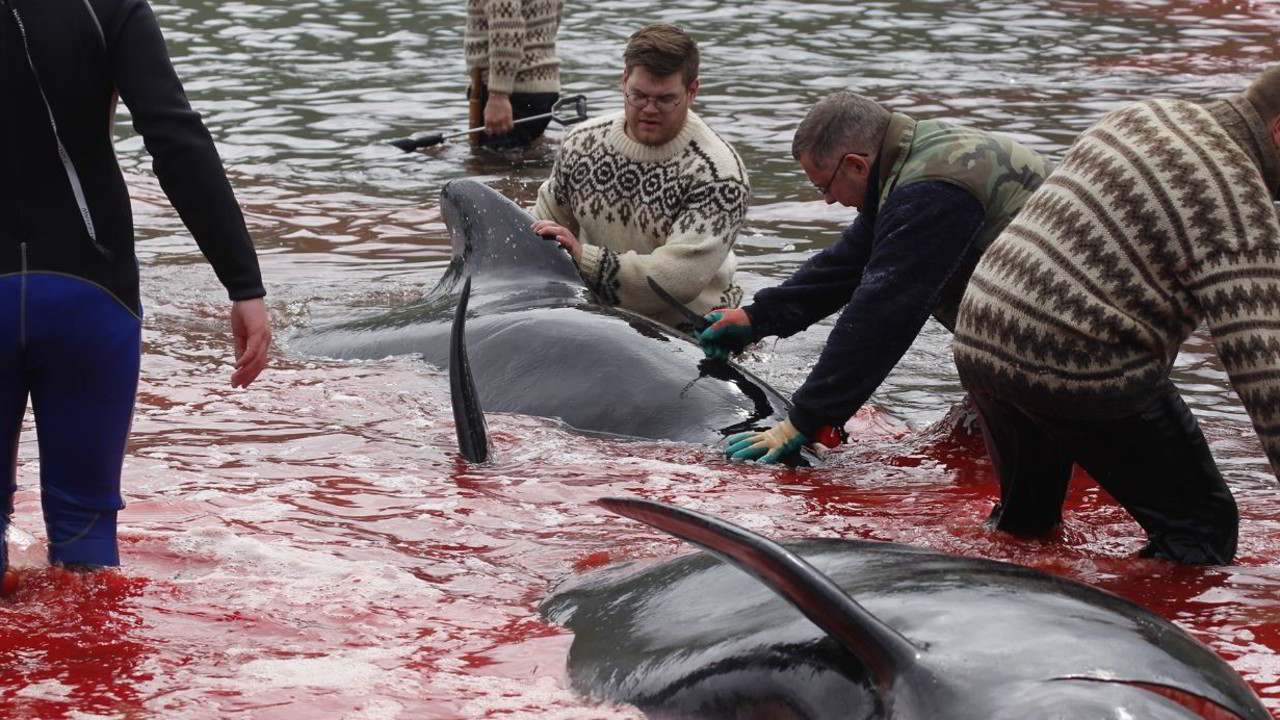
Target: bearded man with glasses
[
  {"x": 930, "y": 197},
  {"x": 650, "y": 192}
]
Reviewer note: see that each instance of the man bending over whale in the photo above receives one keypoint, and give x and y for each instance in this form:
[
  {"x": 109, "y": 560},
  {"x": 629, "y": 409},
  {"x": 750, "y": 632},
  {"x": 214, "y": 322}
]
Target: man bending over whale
[
  {"x": 650, "y": 191},
  {"x": 930, "y": 197},
  {"x": 1160, "y": 218}
]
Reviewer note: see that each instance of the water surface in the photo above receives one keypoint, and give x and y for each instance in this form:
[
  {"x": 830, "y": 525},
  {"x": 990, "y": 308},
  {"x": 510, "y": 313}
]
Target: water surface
[{"x": 313, "y": 546}]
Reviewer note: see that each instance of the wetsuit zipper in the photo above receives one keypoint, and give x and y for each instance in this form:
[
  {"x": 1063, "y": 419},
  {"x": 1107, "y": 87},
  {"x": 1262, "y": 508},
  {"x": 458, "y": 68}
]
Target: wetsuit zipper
[{"x": 77, "y": 190}]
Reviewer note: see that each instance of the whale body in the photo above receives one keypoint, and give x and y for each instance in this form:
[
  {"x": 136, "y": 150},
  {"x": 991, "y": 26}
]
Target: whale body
[
  {"x": 852, "y": 629},
  {"x": 539, "y": 343}
]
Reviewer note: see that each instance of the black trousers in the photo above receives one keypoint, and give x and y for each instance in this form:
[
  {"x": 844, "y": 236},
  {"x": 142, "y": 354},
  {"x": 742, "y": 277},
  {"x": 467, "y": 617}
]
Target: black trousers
[
  {"x": 1155, "y": 462},
  {"x": 523, "y": 105}
]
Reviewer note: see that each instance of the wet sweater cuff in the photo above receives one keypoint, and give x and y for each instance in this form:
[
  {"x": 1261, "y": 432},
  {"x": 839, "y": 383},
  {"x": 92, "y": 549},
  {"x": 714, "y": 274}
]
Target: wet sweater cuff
[
  {"x": 589, "y": 264},
  {"x": 806, "y": 423},
  {"x": 759, "y": 318},
  {"x": 247, "y": 292}
]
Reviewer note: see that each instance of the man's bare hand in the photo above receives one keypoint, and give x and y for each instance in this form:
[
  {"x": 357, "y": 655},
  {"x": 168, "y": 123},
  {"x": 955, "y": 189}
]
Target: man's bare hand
[
  {"x": 549, "y": 229},
  {"x": 498, "y": 115},
  {"x": 252, "y": 333}
]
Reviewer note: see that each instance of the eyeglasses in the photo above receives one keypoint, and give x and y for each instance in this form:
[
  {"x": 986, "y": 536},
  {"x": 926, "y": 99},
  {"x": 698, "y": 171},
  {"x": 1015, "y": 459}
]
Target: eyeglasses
[
  {"x": 663, "y": 103},
  {"x": 824, "y": 189}
]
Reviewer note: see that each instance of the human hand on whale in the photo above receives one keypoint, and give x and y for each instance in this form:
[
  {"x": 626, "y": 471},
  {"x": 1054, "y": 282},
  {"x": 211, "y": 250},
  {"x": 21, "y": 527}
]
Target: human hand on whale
[
  {"x": 728, "y": 332},
  {"x": 768, "y": 446},
  {"x": 554, "y": 231}
]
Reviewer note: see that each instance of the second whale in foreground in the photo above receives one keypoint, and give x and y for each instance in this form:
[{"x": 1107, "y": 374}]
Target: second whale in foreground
[{"x": 858, "y": 630}]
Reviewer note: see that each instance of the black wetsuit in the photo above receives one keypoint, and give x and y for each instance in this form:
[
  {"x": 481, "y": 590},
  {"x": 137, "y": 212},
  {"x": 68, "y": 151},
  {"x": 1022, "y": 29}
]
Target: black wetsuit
[
  {"x": 70, "y": 314},
  {"x": 80, "y": 69}
]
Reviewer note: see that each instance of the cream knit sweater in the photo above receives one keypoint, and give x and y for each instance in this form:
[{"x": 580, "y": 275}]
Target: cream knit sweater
[
  {"x": 515, "y": 42},
  {"x": 1160, "y": 217},
  {"x": 671, "y": 212}
]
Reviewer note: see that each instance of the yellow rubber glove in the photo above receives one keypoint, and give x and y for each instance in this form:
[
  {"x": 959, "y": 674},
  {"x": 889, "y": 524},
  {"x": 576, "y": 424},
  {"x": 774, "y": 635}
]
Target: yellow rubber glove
[{"x": 768, "y": 446}]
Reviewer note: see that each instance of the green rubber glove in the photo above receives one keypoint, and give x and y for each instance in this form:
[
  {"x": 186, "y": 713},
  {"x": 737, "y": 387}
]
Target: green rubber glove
[
  {"x": 767, "y": 446},
  {"x": 730, "y": 332}
]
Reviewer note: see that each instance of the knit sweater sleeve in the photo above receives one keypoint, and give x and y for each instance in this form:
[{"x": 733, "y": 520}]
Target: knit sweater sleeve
[
  {"x": 1239, "y": 294},
  {"x": 184, "y": 157},
  {"x": 506, "y": 42},
  {"x": 924, "y": 234},
  {"x": 701, "y": 237},
  {"x": 1234, "y": 260}
]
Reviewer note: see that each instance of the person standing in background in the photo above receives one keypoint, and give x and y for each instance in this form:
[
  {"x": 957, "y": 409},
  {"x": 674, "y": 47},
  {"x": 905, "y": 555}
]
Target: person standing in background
[
  {"x": 70, "y": 306},
  {"x": 510, "y": 46}
]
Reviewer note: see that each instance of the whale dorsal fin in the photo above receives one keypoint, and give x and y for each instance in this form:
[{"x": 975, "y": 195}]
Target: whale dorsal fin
[
  {"x": 885, "y": 652},
  {"x": 468, "y": 417},
  {"x": 493, "y": 236}
]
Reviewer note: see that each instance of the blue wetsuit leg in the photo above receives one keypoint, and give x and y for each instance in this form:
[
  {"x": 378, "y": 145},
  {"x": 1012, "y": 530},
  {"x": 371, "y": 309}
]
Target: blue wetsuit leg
[
  {"x": 81, "y": 356},
  {"x": 13, "y": 400}
]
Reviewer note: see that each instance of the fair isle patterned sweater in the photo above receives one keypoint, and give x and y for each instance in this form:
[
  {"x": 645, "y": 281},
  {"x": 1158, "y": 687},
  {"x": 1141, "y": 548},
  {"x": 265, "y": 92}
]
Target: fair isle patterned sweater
[
  {"x": 1160, "y": 217},
  {"x": 671, "y": 212},
  {"x": 515, "y": 42}
]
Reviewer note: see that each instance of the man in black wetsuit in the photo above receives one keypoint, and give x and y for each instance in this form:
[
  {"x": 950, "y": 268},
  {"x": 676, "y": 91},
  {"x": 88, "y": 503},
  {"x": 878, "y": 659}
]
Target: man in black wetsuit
[
  {"x": 930, "y": 197},
  {"x": 70, "y": 313}
]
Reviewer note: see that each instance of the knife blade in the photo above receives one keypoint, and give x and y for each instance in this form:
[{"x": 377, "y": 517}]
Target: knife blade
[{"x": 698, "y": 322}]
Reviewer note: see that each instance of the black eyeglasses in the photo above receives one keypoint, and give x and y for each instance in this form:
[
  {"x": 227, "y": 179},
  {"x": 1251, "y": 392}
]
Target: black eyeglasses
[
  {"x": 824, "y": 189},
  {"x": 663, "y": 103}
]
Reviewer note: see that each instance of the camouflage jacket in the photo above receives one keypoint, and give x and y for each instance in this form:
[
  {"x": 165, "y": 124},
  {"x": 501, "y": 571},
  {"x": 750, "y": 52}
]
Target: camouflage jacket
[
  {"x": 938, "y": 195},
  {"x": 999, "y": 172}
]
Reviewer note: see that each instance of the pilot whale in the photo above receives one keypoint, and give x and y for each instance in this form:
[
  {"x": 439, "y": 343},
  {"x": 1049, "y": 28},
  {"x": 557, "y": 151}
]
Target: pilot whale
[
  {"x": 539, "y": 344},
  {"x": 929, "y": 637},
  {"x": 852, "y": 629}
]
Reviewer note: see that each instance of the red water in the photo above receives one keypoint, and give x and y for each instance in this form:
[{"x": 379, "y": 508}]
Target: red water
[{"x": 313, "y": 547}]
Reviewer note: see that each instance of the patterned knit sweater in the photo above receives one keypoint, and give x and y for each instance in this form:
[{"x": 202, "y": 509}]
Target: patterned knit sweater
[
  {"x": 515, "y": 41},
  {"x": 1160, "y": 217},
  {"x": 671, "y": 212}
]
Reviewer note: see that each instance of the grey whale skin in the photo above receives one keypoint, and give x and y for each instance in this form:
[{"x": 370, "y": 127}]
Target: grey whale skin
[
  {"x": 539, "y": 344},
  {"x": 850, "y": 629}
]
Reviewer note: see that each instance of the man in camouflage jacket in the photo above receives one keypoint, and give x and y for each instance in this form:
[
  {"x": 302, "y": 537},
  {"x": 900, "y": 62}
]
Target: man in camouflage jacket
[{"x": 931, "y": 196}]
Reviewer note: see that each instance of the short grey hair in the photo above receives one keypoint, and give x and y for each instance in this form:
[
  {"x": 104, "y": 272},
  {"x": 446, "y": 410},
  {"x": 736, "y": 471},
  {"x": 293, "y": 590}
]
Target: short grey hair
[
  {"x": 1264, "y": 93},
  {"x": 841, "y": 122}
]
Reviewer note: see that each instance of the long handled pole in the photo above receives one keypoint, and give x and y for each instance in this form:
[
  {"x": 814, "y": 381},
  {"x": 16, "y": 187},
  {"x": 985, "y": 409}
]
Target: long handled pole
[
  {"x": 410, "y": 144},
  {"x": 421, "y": 140}
]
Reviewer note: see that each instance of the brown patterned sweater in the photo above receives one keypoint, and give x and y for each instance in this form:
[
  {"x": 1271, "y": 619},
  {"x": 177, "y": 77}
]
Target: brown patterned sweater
[
  {"x": 515, "y": 42},
  {"x": 1160, "y": 217},
  {"x": 671, "y": 212}
]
